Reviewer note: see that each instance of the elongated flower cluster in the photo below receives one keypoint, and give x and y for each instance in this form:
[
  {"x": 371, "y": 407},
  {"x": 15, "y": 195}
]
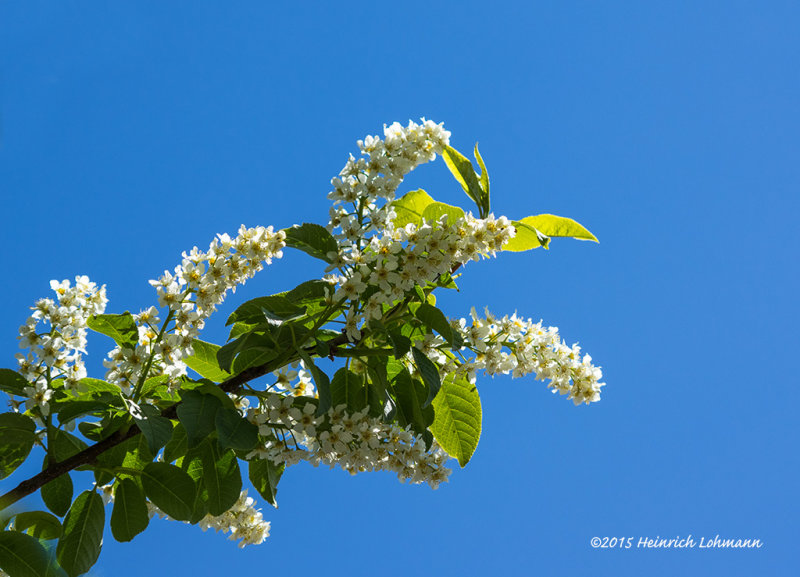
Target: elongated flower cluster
[
  {"x": 521, "y": 347},
  {"x": 355, "y": 442},
  {"x": 243, "y": 521},
  {"x": 412, "y": 256},
  {"x": 56, "y": 353},
  {"x": 365, "y": 182},
  {"x": 191, "y": 295}
]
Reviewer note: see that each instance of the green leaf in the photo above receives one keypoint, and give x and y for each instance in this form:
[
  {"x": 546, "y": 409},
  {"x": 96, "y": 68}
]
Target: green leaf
[
  {"x": 121, "y": 328},
  {"x": 446, "y": 281},
  {"x": 409, "y": 207},
  {"x": 484, "y": 172},
  {"x": 400, "y": 344},
  {"x": 463, "y": 171},
  {"x": 64, "y": 445},
  {"x": 206, "y": 387},
  {"x": 57, "y": 494},
  {"x": 192, "y": 463},
  {"x": 257, "y": 309},
  {"x": 526, "y": 238},
  {"x": 69, "y": 409},
  {"x": 17, "y": 436},
  {"x": 308, "y": 292},
  {"x": 376, "y": 366},
  {"x": 264, "y": 474},
  {"x": 204, "y": 361},
  {"x": 130, "y": 516},
  {"x": 457, "y": 424},
  {"x": 347, "y": 388},
  {"x": 434, "y": 211},
  {"x": 22, "y": 556},
  {"x": 221, "y": 476},
  {"x": 155, "y": 428},
  {"x": 197, "y": 413},
  {"x": 312, "y": 239},
  {"x": 79, "y": 545},
  {"x": 156, "y": 387},
  {"x": 13, "y": 383},
  {"x": 553, "y": 225},
  {"x": 97, "y": 386},
  {"x": 234, "y": 431},
  {"x": 170, "y": 489},
  {"x": 177, "y": 445},
  {"x": 135, "y": 454},
  {"x": 38, "y": 524},
  {"x": 435, "y": 320},
  {"x": 253, "y": 358},
  {"x": 429, "y": 372},
  {"x": 409, "y": 395}
]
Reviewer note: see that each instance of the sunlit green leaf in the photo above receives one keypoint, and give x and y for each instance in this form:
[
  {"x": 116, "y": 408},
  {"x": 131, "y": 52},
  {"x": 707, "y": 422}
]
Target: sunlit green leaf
[
  {"x": 461, "y": 168},
  {"x": 204, "y": 361},
  {"x": 255, "y": 310},
  {"x": 457, "y": 422},
  {"x": 560, "y": 226},
  {"x": 312, "y": 239},
  {"x": 121, "y": 328},
  {"x": 526, "y": 238},
  {"x": 410, "y": 206},
  {"x": 434, "y": 211},
  {"x": 484, "y": 173}
]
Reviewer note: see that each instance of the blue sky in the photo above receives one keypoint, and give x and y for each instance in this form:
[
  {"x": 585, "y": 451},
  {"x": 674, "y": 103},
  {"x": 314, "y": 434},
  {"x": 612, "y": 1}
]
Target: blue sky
[{"x": 132, "y": 132}]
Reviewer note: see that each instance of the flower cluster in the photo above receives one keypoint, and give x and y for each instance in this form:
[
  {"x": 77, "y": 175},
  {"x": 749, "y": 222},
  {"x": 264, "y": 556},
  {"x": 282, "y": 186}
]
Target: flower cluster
[
  {"x": 56, "y": 353},
  {"x": 294, "y": 380},
  {"x": 243, "y": 521},
  {"x": 521, "y": 347},
  {"x": 413, "y": 256},
  {"x": 374, "y": 177},
  {"x": 191, "y": 295},
  {"x": 354, "y": 441}
]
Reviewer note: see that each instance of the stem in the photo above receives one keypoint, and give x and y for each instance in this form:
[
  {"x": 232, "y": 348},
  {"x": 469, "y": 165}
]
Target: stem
[{"x": 146, "y": 369}]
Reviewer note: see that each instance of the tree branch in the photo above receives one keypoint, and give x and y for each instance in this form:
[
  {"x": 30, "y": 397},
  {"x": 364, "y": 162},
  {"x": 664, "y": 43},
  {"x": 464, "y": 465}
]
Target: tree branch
[{"x": 90, "y": 454}]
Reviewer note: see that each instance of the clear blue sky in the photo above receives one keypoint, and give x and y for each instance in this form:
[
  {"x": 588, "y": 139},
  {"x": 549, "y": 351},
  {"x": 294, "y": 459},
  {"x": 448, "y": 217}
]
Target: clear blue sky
[{"x": 133, "y": 132}]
